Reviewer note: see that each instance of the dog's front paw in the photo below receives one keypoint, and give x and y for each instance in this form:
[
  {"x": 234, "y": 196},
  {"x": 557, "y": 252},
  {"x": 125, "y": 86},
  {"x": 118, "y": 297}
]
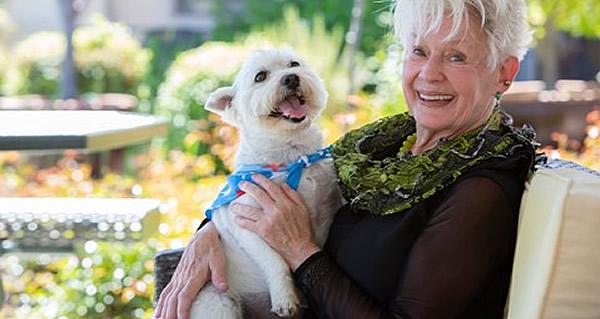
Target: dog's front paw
[{"x": 285, "y": 305}]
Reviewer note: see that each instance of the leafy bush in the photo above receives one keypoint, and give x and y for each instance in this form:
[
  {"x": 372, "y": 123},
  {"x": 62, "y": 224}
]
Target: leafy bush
[
  {"x": 36, "y": 65},
  {"x": 336, "y": 16},
  {"x": 163, "y": 47},
  {"x": 3, "y": 67},
  {"x": 107, "y": 59},
  {"x": 6, "y": 27},
  {"x": 191, "y": 78},
  {"x": 107, "y": 280},
  {"x": 384, "y": 85}
]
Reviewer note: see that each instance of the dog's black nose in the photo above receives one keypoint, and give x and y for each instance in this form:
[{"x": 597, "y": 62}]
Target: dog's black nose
[{"x": 291, "y": 81}]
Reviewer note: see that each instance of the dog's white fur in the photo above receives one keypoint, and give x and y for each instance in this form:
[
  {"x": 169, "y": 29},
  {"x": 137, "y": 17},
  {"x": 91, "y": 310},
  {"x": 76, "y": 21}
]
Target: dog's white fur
[{"x": 253, "y": 268}]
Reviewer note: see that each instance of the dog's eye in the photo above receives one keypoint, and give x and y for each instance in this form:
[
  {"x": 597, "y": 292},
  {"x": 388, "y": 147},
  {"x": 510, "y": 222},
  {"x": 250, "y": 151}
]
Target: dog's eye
[
  {"x": 294, "y": 64},
  {"x": 260, "y": 76}
]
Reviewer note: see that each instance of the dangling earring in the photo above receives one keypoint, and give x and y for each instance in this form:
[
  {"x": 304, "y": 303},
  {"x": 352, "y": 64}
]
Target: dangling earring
[{"x": 498, "y": 97}]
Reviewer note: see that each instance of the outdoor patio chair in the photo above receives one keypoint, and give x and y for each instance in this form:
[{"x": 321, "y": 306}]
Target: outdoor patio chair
[{"x": 556, "y": 270}]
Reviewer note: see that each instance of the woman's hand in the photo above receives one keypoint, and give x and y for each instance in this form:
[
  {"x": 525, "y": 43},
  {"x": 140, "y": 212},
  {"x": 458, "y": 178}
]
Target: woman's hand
[
  {"x": 283, "y": 221},
  {"x": 203, "y": 259}
]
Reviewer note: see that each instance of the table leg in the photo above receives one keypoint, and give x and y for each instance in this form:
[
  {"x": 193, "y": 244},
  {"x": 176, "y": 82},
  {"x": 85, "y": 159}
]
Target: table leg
[
  {"x": 96, "y": 160},
  {"x": 117, "y": 157},
  {"x": 1, "y": 292}
]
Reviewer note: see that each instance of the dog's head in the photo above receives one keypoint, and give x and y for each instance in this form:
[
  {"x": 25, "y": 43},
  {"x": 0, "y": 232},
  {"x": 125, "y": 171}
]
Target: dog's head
[{"x": 275, "y": 91}]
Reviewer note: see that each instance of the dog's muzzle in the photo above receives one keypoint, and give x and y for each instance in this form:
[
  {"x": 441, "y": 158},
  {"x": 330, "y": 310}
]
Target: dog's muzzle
[{"x": 290, "y": 81}]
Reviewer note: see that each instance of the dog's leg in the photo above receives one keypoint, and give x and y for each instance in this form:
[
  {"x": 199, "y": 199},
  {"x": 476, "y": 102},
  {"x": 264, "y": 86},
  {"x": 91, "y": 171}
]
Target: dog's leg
[
  {"x": 284, "y": 301},
  {"x": 210, "y": 303}
]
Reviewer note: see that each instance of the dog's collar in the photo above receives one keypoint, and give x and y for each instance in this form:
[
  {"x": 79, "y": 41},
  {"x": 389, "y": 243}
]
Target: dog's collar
[{"x": 293, "y": 170}]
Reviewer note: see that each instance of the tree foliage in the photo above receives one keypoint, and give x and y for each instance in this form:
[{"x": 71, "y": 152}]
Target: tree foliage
[
  {"x": 579, "y": 18},
  {"x": 336, "y": 14}
]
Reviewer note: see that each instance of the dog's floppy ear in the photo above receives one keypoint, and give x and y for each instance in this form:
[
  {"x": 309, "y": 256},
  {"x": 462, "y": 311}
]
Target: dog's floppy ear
[{"x": 219, "y": 100}]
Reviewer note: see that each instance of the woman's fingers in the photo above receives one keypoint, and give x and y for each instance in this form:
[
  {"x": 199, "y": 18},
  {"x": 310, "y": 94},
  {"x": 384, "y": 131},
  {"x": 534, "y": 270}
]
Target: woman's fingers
[
  {"x": 216, "y": 263},
  {"x": 249, "y": 212},
  {"x": 259, "y": 194},
  {"x": 185, "y": 298},
  {"x": 293, "y": 195},
  {"x": 272, "y": 188},
  {"x": 248, "y": 224},
  {"x": 161, "y": 300},
  {"x": 202, "y": 259},
  {"x": 170, "y": 311},
  {"x": 185, "y": 285}
]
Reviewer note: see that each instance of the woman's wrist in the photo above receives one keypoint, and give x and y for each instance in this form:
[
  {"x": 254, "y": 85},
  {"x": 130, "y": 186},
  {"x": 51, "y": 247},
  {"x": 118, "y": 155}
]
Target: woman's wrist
[
  {"x": 296, "y": 257},
  {"x": 208, "y": 231}
]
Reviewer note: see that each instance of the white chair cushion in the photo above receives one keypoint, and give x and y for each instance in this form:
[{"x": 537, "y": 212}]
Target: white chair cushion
[{"x": 556, "y": 271}]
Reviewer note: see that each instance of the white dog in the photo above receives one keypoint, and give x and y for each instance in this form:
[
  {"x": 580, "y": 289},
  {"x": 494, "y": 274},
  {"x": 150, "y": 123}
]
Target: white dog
[{"x": 274, "y": 103}]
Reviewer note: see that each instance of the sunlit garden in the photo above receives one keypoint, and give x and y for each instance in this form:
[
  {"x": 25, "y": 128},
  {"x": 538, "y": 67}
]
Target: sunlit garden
[{"x": 185, "y": 167}]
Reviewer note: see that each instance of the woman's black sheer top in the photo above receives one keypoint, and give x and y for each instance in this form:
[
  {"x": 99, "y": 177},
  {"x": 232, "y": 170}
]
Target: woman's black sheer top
[{"x": 447, "y": 257}]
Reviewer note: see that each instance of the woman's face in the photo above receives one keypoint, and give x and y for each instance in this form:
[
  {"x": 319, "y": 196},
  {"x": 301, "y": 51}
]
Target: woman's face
[{"x": 447, "y": 84}]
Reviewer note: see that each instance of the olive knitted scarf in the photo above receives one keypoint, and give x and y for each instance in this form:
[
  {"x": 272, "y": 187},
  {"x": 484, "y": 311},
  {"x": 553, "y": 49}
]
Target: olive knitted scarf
[{"x": 377, "y": 175}]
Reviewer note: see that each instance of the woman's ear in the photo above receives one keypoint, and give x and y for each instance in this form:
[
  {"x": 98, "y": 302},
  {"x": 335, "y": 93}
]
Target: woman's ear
[
  {"x": 219, "y": 100},
  {"x": 508, "y": 71}
]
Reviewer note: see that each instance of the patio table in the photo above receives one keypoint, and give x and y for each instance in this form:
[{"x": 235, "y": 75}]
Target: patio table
[
  {"x": 86, "y": 131},
  {"x": 89, "y": 131}
]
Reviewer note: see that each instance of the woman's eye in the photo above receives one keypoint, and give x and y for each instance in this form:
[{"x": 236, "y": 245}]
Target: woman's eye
[
  {"x": 418, "y": 51},
  {"x": 260, "y": 76},
  {"x": 294, "y": 64},
  {"x": 457, "y": 58}
]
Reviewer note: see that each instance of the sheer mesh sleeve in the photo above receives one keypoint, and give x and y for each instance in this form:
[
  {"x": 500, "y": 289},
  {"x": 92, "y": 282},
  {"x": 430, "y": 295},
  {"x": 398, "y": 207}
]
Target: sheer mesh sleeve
[{"x": 468, "y": 240}]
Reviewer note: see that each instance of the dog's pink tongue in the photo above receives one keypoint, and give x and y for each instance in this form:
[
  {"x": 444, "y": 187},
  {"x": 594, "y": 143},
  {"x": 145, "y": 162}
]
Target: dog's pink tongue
[{"x": 291, "y": 107}]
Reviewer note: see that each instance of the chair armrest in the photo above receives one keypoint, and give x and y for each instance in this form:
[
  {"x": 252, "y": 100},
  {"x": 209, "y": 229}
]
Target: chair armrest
[{"x": 165, "y": 263}]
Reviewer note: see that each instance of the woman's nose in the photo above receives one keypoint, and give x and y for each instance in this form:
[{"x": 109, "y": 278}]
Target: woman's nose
[{"x": 432, "y": 71}]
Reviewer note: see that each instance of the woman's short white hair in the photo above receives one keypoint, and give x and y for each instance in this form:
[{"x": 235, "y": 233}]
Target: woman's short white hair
[{"x": 503, "y": 21}]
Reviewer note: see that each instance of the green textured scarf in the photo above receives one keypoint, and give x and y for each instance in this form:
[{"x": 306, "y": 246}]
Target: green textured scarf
[{"x": 378, "y": 177}]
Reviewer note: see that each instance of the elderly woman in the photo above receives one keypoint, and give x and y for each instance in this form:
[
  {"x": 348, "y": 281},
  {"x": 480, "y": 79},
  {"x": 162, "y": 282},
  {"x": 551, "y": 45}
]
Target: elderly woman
[{"x": 433, "y": 197}]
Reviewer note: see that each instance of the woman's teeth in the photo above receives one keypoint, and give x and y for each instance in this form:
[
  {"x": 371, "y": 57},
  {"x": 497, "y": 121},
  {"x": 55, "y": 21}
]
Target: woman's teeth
[{"x": 435, "y": 97}]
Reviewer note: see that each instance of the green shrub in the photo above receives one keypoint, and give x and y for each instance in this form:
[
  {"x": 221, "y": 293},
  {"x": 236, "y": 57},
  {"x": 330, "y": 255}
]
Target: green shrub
[
  {"x": 3, "y": 68},
  {"x": 35, "y": 65},
  {"x": 6, "y": 27},
  {"x": 163, "y": 47},
  {"x": 107, "y": 59},
  {"x": 384, "y": 84},
  {"x": 232, "y": 21},
  {"x": 191, "y": 78},
  {"x": 109, "y": 280}
]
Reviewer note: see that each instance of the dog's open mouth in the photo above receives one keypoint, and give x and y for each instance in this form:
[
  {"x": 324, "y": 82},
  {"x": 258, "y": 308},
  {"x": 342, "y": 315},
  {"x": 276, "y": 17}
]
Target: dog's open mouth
[{"x": 293, "y": 108}]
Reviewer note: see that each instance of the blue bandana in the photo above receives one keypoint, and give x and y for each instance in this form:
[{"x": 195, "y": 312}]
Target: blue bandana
[{"x": 293, "y": 170}]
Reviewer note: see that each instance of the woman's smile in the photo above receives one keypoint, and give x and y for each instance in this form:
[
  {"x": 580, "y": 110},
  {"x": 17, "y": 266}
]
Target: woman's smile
[{"x": 434, "y": 99}]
